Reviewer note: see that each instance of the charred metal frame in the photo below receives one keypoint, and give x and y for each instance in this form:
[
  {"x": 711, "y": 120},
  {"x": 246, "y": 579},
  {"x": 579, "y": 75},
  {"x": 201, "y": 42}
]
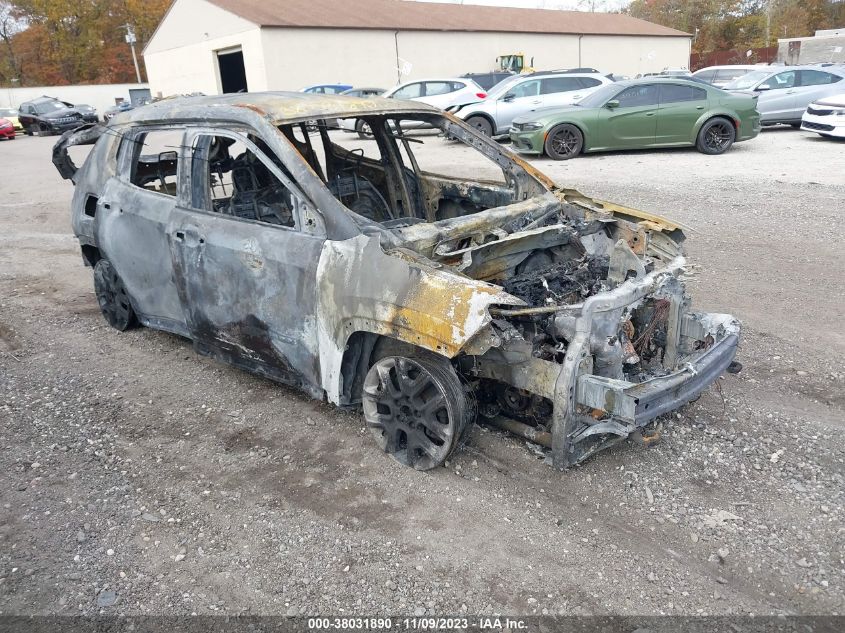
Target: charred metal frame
[{"x": 433, "y": 290}]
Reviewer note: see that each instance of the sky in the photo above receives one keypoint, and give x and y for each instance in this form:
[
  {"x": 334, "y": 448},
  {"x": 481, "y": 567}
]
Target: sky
[{"x": 577, "y": 5}]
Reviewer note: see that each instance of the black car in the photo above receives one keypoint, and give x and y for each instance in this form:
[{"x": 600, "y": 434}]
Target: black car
[
  {"x": 89, "y": 113},
  {"x": 47, "y": 115}
]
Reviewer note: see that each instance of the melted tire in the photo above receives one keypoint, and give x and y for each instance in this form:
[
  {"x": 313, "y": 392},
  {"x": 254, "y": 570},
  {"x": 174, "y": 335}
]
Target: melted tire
[
  {"x": 113, "y": 298},
  {"x": 416, "y": 409}
]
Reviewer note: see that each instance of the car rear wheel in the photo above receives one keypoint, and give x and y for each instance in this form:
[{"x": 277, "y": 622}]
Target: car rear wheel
[
  {"x": 112, "y": 297},
  {"x": 716, "y": 136},
  {"x": 481, "y": 124},
  {"x": 564, "y": 142},
  {"x": 416, "y": 409}
]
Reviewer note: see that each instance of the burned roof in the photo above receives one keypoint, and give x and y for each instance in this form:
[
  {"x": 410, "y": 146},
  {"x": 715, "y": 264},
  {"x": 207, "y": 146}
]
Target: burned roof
[
  {"x": 435, "y": 16},
  {"x": 279, "y": 106}
]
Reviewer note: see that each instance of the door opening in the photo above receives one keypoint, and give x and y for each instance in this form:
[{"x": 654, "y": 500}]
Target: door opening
[{"x": 232, "y": 71}]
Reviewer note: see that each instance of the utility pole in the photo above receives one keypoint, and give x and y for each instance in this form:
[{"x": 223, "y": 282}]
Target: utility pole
[{"x": 131, "y": 39}]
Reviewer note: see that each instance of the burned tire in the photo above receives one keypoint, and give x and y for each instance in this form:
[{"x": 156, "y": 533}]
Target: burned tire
[
  {"x": 416, "y": 409},
  {"x": 112, "y": 297},
  {"x": 363, "y": 129},
  {"x": 563, "y": 142},
  {"x": 716, "y": 136},
  {"x": 481, "y": 124}
]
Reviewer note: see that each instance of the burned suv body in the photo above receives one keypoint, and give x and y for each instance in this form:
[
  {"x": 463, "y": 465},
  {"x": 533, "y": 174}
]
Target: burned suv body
[{"x": 429, "y": 299}]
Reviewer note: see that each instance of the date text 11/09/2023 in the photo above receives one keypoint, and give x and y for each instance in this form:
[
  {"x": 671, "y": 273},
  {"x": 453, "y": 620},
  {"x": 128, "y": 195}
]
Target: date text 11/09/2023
[{"x": 418, "y": 624}]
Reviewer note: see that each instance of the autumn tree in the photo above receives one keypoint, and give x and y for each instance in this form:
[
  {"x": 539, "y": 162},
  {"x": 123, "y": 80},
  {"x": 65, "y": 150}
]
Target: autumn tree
[{"x": 78, "y": 41}]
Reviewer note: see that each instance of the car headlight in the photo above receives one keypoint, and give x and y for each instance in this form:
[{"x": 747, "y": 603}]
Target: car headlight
[{"x": 531, "y": 127}]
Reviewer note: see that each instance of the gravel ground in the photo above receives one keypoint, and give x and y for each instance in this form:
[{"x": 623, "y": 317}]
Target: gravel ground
[{"x": 139, "y": 478}]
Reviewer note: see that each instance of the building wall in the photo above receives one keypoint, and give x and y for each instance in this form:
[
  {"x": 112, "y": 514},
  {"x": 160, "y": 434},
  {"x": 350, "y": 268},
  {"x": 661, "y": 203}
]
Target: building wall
[
  {"x": 101, "y": 96},
  {"x": 632, "y": 55},
  {"x": 181, "y": 56},
  {"x": 300, "y": 57},
  {"x": 296, "y": 58},
  {"x": 809, "y": 50}
]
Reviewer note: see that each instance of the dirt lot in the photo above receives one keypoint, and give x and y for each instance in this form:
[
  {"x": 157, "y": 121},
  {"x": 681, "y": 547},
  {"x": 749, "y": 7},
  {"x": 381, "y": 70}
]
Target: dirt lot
[{"x": 137, "y": 477}]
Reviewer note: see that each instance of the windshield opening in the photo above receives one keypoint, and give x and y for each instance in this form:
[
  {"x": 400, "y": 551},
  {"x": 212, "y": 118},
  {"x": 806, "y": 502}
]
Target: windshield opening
[
  {"x": 403, "y": 169},
  {"x": 747, "y": 81},
  {"x": 49, "y": 106}
]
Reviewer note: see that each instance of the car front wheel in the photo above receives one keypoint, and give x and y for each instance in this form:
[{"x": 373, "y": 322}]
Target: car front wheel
[
  {"x": 416, "y": 409},
  {"x": 716, "y": 136},
  {"x": 481, "y": 124},
  {"x": 564, "y": 142}
]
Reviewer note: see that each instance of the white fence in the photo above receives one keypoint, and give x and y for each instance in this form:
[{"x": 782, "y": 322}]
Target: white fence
[{"x": 101, "y": 96}]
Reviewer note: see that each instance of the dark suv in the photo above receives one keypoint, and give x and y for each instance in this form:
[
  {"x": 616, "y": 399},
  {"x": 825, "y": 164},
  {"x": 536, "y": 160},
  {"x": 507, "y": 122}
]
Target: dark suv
[{"x": 47, "y": 115}]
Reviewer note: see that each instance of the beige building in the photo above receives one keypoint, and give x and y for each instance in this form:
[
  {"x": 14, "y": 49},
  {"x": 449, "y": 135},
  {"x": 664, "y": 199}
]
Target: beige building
[
  {"x": 215, "y": 46},
  {"x": 825, "y": 46}
]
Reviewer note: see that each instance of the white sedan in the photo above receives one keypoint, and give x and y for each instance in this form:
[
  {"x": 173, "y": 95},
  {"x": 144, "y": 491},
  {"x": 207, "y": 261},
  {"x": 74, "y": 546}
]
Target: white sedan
[
  {"x": 826, "y": 116},
  {"x": 440, "y": 93}
]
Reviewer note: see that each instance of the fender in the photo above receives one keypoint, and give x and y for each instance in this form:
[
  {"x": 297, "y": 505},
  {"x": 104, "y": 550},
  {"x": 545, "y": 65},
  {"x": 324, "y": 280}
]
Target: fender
[{"x": 412, "y": 300}]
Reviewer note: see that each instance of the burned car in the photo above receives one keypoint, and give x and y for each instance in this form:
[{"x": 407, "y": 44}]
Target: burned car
[{"x": 365, "y": 279}]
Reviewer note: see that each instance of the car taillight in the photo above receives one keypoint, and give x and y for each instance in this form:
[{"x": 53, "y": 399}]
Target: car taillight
[{"x": 481, "y": 95}]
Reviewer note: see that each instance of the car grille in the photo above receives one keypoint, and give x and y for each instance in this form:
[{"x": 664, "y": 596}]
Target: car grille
[
  {"x": 811, "y": 125},
  {"x": 812, "y": 110},
  {"x": 67, "y": 119}
]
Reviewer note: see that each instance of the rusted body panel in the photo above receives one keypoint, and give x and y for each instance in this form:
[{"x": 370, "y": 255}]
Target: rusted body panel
[{"x": 564, "y": 314}]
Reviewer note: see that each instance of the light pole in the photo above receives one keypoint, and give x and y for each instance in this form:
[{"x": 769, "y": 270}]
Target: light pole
[{"x": 131, "y": 39}]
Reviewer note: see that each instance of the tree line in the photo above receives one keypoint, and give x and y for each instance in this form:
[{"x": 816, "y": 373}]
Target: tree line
[
  {"x": 720, "y": 25},
  {"x": 59, "y": 42}
]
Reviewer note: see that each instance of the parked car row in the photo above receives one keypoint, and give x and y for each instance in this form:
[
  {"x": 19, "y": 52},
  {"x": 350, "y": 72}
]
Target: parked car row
[{"x": 639, "y": 114}]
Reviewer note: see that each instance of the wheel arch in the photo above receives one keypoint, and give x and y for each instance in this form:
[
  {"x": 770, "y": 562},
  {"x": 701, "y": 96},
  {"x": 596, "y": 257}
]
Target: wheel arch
[
  {"x": 486, "y": 116},
  {"x": 709, "y": 116},
  {"x": 361, "y": 351},
  {"x": 579, "y": 125}
]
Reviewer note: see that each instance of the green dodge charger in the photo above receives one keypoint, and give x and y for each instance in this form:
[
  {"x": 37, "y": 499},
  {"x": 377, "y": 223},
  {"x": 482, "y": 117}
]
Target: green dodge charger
[{"x": 640, "y": 114}]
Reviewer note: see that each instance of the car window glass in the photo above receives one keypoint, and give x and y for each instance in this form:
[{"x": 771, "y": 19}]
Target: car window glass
[
  {"x": 155, "y": 160},
  {"x": 636, "y": 96},
  {"x": 707, "y": 75},
  {"x": 817, "y": 78},
  {"x": 553, "y": 85},
  {"x": 236, "y": 181},
  {"x": 675, "y": 93},
  {"x": 411, "y": 91},
  {"x": 729, "y": 74},
  {"x": 781, "y": 80},
  {"x": 527, "y": 89},
  {"x": 434, "y": 88},
  {"x": 589, "y": 82}
]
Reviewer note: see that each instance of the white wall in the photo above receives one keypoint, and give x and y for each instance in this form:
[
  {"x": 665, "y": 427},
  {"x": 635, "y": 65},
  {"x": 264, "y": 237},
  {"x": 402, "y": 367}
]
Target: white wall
[
  {"x": 181, "y": 55},
  {"x": 296, "y": 58},
  {"x": 299, "y": 57},
  {"x": 101, "y": 96},
  {"x": 193, "y": 68},
  {"x": 630, "y": 55}
]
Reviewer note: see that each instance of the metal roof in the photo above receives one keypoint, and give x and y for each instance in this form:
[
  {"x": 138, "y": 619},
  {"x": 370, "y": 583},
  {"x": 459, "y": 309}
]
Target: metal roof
[
  {"x": 437, "y": 16},
  {"x": 280, "y": 107}
]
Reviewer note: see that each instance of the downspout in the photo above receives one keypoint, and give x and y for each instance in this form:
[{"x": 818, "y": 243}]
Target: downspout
[
  {"x": 580, "y": 65},
  {"x": 396, "y": 50}
]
